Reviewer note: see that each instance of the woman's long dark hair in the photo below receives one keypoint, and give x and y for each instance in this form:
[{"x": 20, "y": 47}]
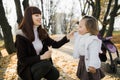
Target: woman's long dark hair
[{"x": 27, "y": 24}]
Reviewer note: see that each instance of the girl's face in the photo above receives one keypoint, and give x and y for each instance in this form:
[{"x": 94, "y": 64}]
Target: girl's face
[
  {"x": 82, "y": 28},
  {"x": 36, "y": 19}
]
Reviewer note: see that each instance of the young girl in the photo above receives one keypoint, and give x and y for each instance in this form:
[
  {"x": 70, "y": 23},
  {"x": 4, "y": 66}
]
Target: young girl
[{"x": 87, "y": 48}]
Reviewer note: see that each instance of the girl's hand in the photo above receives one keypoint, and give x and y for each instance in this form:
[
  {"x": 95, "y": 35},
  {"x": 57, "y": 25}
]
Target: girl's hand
[
  {"x": 92, "y": 69},
  {"x": 47, "y": 54}
]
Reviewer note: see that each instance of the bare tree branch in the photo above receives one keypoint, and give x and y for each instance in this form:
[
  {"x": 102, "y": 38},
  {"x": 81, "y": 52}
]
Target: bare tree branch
[
  {"x": 118, "y": 6},
  {"x": 118, "y": 14},
  {"x": 80, "y": 6},
  {"x": 106, "y": 14},
  {"x": 83, "y": 12},
  {"x": 90, "y": 2}
]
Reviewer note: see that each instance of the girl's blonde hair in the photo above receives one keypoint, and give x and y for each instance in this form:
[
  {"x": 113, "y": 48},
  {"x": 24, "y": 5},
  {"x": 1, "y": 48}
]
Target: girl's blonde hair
[{"x": 91, "y": 24}]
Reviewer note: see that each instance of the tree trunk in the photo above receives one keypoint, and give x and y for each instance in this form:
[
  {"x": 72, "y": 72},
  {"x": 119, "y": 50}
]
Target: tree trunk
[
  {"x": 1, "y": 37},
  {"x": 18, "y": 11},
  {"x": 105, "y": 21},
  {"x": 43, "y": 15},
  {"x": 25, "y": 4},
  {"x": 112, "y": 18},
  {"x": 97, "y": 9},
  {"x": 102, "y": 31},
  {"x": 6, "y": 29}
]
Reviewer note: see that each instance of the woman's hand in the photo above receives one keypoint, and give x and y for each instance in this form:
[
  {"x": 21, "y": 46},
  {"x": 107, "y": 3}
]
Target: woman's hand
[
  {"x": 47, "y": 54},
  {"x": 70, "y": 35},
  {"x": 92, "y": 69}
]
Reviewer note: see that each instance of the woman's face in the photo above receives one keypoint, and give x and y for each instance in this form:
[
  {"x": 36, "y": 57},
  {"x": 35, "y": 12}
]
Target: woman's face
[
  {"x": 36, "y": 19},
  {"x": 82, "y": 28}
]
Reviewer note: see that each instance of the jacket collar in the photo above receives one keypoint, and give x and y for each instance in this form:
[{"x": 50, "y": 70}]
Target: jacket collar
[
  {"x": 20, "y": 32},
  {"x": 85, "y": 35}
]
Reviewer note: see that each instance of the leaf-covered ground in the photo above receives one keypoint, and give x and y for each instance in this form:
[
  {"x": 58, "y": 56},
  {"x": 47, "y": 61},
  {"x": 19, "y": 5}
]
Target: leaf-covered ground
[
  {"x": 64, "y": 62},
  {"x": 62, "y": 59}
]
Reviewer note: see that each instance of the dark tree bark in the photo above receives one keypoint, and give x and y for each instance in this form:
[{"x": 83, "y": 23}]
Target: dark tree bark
[
  {"x": 25, "y": 4},
  {"x": 105, "y": 21},
  {"x": 112, "y": 18},
  {"x": 1, "y": 37},
  {"x": 18, "y": 11},
  {"x": 6, "y": 29},
  {"x": 97, "y": 9}
]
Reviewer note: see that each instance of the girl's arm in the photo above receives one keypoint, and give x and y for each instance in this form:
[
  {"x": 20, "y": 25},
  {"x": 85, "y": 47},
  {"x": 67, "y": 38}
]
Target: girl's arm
[{"x": 93, "y": 51}]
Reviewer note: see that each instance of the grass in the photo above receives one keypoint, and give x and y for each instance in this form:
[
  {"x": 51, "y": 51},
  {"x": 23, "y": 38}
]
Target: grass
[{"x": 116, "y": 33}]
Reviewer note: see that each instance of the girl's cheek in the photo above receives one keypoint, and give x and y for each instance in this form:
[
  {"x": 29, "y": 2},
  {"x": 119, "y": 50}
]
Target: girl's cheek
[{"x": 79, "y": 31}]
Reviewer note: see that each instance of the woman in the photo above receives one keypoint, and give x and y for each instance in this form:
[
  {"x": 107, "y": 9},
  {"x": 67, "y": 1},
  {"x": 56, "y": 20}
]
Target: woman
[{"x": 32, "y": 42}]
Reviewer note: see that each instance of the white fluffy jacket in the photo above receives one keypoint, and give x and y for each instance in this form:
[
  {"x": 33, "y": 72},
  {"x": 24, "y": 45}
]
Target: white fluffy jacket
[{"x": 89, "y": 46}]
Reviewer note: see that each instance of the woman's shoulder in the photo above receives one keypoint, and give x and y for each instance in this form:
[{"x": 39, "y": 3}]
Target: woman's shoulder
[{"x": 21, "y": 35}]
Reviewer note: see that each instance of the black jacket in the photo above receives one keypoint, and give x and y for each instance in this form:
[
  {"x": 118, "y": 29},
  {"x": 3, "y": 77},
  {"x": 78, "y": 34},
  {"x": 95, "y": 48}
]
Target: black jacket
[{"x": 27, "y": 56}]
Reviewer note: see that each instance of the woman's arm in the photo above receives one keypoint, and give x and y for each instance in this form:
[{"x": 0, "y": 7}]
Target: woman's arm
[{"x": 56, "y": 44}]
